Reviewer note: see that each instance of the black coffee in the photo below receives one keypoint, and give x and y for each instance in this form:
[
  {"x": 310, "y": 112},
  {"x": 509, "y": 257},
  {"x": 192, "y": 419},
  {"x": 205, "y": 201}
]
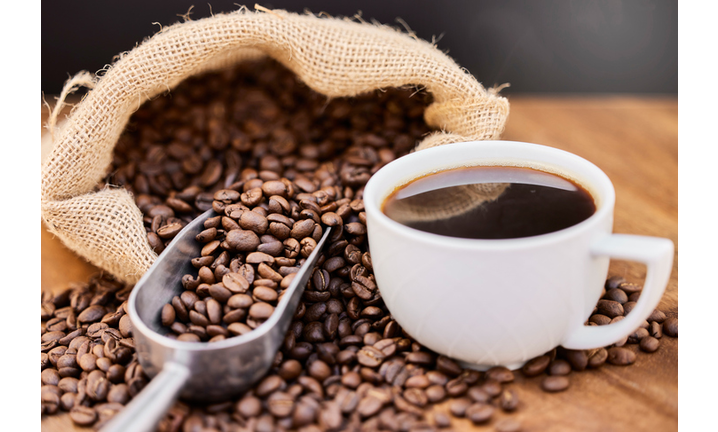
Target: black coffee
[{"x": 490, "y": 203}]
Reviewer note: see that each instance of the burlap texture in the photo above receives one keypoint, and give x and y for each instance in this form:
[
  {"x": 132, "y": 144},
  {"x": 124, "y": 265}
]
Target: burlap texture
[{"x": 335, "y": 57}]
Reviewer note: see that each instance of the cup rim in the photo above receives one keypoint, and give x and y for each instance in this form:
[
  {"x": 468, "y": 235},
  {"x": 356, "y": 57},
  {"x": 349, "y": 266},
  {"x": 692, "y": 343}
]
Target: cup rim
[{"x": 378, "y": 188}]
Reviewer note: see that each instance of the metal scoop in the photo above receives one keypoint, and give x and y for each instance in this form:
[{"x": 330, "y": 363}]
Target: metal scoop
[{"x": 198, "y": 371}]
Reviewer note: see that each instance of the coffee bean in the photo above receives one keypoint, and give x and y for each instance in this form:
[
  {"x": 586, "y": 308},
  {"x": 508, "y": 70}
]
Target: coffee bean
[
  {"x": 169, "y": 231},
  {"x": 500, "y": 374},
  {"x": 555, "y": 383},
  {"x": 249, "y": 406},
  {"x": 435, "y": 393},
  {"x": 655, "y": 329},
  {"x": 168, "y": 315},
  {"x": 417, "y": 381},
  {"x": 242, "y": 240},
  {"x": 236, "y": 283},
  {"x": 657, "y": 316},
  {"x": 559, "y": 367},
  {"x": 82, "y": 415},
  {"x": 370, "y": 356},
  {"x": 600, "y": 319},
  {"x": 219, "y": 292},
  {"x": 670, "y": 326},
  {"x": 610, "y": 308},
  {"x": 261, "y": 310},
  {"x": 269, "y": 385},
  {"x": 280, "y": 404},
  {"x": 351, "y": 379},
  {"x": 630, "y": 288},
  {"x": 456, "y": 388},
  {"x": 253, "y": 221},
  {"x": 508, "y": 400},
  {"x": 577, "y": 358},
  {"x": 617, "y": 295},
  {"x": 188, "y": 337},
  {"x": 508, "y": 425},
  {"x": 649, "y": 344},
  {"x": 88, "y": 362},
  {"x": 636, "y": 336},
  {"x": 536, "y": 366},
  {"x": 289, "y": 369},
  {"x": 458, "y": 406},
  {"x": 118, "y": 393},
  {"x": 67, "y": 401},
  {"x": 621, "y": 356},
  {"x": 319, "y": 370},
  {"x": 265, "y": 294},
  {"x": 479, "y": 413},
  {"x": 447, "y": 366},
  {"x": 368, "y": 406},
  {"x": 50, "y": 377}
]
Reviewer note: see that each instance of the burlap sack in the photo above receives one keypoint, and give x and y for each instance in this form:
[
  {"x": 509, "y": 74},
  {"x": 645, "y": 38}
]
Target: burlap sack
[{"x": 335, "y": 57}]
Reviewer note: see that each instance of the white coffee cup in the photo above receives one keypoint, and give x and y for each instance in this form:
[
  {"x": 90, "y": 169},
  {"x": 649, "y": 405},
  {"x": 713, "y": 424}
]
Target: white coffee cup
[{"x": 503, "y": 302}]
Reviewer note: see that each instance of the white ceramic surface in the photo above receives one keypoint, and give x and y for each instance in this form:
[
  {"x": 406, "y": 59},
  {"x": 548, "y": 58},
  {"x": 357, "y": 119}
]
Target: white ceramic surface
[{"x": 503, "y": 302}]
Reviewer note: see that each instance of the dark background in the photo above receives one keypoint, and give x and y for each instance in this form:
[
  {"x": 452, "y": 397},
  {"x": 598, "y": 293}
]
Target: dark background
[{"x": 564, "y": 46}]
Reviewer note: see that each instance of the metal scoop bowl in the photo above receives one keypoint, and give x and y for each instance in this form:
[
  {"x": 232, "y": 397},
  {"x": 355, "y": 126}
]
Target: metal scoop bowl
[{"x": 196, "y": 371}]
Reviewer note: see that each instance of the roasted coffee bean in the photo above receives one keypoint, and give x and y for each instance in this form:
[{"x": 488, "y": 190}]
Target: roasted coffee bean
[
  {"x": 236, "y": 283},
  {"x": 249, "y": 406},
  {"x": 479, "y": 413},
  {"x": 118, "y": 393},
  {"x": 500, "y": 374},
  {"x": 188, "y": 337},
  {"x": 448, "y": 366},
  {"x": 242, "y": 240},
  {"x": 458, "y": 406},
  {"x": 617, "y": 295},
  {"x": 555, "y": 383},
  {"x": 219, "y": 292},
  {"x": 559, "y": 367},
  {"x": 649, "y": 344},
  {"x": 670, "y": 326},
  {"x": 478, "y": 394},
  {"x": 621, "y": 356},
  {"x": 600, "y": 319},
  {"x": 369, "y": 406},
  {"x": 508, "y": 400},
  {"x": 88, "y": 362},
  {"x": 168, "y": 315},
  {"x": 577, "y": 358},
  {"x": 598, "y": 358},
  {"x": 456, "y": 388},
  {"x": 370, "y": 356},
  {"x": 508, "y": 424},
  {"x": 656, "y": 330},
  {"x": 636, "y": 336},
  {"x": 280, "y": 404},
  {"x": 50, "y": 377},
  {"x": 83, "y": 415},
  {"x": 416, "y": 397},
  {"x": 269, "y": 385},
  {"x": 536, "y": 366},
  {"x": 610, "y": 308}
]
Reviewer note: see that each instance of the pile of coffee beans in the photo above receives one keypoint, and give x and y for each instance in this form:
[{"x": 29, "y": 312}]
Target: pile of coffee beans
[
  {"x": 87, "y": 353},
  {"x": 278, "y": 163}
]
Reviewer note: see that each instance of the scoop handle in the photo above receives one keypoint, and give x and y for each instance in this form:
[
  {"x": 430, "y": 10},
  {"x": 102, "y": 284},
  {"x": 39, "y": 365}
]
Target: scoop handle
[{"x": 147, "y": 408}]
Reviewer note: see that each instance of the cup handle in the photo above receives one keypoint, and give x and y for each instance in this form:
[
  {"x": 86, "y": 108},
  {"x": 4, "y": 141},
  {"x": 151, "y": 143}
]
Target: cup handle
[{"x": 657, "y": 254}]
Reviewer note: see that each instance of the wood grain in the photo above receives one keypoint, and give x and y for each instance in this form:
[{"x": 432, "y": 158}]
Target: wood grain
[{"x": 635, "y": 141}]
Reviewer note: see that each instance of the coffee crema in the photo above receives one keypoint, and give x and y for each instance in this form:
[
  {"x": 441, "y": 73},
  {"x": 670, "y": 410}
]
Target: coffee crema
[{"x": 490, "y": 202}]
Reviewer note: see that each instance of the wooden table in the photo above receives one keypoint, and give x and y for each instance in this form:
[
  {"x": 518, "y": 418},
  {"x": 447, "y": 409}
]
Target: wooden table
[{"x": 635, "y": 141}]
